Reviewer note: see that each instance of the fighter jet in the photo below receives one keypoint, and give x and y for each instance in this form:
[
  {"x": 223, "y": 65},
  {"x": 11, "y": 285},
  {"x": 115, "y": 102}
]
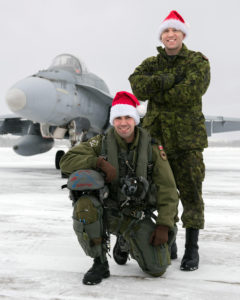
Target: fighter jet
[
  {"x": 64, "y": 101},
  {"x": 67, "y": 102}
]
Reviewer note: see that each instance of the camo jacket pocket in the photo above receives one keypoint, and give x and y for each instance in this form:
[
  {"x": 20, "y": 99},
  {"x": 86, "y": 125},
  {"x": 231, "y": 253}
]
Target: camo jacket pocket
[{"x": 190, "y": 131}]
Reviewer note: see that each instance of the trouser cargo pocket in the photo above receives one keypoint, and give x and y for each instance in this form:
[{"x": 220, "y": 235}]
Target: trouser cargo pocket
[{"x": 153, "y": 260}]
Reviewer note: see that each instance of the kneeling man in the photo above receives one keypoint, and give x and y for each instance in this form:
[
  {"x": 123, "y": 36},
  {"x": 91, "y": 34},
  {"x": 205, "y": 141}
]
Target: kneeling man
[{"x": 142, "y": 201}]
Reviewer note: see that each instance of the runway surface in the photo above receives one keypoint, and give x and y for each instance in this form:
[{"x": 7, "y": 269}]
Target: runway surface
[{"x": 41, "y": 259}]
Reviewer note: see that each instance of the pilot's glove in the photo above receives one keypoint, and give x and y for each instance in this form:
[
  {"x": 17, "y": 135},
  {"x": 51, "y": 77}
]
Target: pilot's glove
[
  {"x": 159, "y": 235},
  {"x": 107, "y": 168}
]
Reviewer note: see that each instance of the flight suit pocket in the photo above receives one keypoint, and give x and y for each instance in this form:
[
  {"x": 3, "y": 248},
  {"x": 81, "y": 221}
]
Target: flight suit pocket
[
  {"x": 84, "y": 239},
  {"x": 162, "y": 255},
  {"x": 153, "y": 260}
]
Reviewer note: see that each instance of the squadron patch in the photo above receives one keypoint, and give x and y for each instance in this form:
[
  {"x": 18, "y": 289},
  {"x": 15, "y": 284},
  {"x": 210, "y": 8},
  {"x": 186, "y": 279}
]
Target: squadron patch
[
  {"x": 93, "y": 142},
  {"x": 162, "y": 152}
]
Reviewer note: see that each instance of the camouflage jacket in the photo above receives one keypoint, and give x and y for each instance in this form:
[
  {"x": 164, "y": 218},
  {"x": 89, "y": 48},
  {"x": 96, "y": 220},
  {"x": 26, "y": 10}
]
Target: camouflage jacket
[
  {"x": 85, "y": 155},
  {"x": 174, "y": 87}
]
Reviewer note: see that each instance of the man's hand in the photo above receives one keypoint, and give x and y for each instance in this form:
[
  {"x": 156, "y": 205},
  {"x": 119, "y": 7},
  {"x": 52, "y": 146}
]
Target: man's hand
[
  {"x": 159, "y": 235},
  {"x": 107, "y": 168}
]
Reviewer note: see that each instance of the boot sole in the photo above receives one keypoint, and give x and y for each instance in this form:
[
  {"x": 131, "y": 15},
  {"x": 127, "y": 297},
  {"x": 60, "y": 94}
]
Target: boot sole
[
  {"x": 188, "y": 268},
  {"x": 122, "y": 260},
  {"x": 87, "y": 282}
]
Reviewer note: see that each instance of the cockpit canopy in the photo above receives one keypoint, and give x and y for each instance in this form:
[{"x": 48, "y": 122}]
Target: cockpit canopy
[{"x": 68, "y": 61}]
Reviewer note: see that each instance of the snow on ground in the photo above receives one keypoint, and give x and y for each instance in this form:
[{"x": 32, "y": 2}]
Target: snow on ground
[{"x": 41, "y": 259}]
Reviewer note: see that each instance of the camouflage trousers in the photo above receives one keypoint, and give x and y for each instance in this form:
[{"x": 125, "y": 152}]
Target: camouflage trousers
[
  {"x": 90, "y": 221},
  {"x": 189, "y": 172}
]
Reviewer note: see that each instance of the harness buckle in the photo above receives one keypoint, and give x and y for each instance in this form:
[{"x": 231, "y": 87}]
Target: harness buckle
[{"x": 138, "y": 214}]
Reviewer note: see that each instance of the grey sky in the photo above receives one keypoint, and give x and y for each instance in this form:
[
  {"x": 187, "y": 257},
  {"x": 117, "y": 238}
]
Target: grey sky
[{"x": 112, "y": 37}]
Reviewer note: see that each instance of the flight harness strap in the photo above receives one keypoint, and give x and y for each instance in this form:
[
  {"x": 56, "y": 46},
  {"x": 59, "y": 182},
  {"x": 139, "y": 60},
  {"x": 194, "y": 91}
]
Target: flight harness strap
[{"x": 137, "y": 215}]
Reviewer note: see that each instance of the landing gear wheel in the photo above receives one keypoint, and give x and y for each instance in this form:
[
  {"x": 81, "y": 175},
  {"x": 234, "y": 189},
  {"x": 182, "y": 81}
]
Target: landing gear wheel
[{"x": 58, "y": 157}]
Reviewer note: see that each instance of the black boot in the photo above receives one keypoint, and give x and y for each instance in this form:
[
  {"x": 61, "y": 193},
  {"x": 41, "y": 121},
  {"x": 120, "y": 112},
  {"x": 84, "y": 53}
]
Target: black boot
[
  {"x": 97, "y": 272},
  {"x": 174, "y": 250},
  {"x": 190, "y": 259},
  {"x": 120, "y": 251}
]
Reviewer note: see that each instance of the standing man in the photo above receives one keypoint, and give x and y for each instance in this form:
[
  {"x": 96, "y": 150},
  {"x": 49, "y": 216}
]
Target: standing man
[
  {"x": 140, "y": 182},
  {"x": 174, "y": 82}
]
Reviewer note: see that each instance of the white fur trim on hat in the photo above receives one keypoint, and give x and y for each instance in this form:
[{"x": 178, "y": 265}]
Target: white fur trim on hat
[
  {"x": 121, "y": 110},
  {"x": 173, "y": 20},
  {"x": 172, "y": 23}
]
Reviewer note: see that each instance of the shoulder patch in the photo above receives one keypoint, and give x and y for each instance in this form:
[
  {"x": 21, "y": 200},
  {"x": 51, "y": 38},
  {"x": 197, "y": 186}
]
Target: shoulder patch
[
  {"x": 162, "y": 152},
  {"x": 94, "y": 142}
]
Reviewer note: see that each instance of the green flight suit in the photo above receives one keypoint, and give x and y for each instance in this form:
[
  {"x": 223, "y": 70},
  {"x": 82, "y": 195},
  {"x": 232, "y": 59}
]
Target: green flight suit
[
  {"x": 174, "y": 86},
  {"x": 153, "y": 260}
]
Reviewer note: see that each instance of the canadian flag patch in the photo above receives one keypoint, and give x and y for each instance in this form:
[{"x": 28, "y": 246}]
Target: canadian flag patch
[{"x": 162, "y": 152}]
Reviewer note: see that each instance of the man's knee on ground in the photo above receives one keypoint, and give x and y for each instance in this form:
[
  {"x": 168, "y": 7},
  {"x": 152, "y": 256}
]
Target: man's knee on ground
[
  {"x": 157, "y": 274},
  {"x": 152, "y": 260}
]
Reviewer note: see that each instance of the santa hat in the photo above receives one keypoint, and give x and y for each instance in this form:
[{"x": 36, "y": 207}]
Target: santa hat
[
  {"x": 174, "y": 20},
  {"x": 126, "y": 104}
]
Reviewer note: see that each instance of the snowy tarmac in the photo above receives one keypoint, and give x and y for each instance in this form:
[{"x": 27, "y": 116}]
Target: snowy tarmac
[{"x": 40, "y": 257}]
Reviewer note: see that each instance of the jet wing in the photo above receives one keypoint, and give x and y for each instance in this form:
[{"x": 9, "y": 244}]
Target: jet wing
[{"x": 217, "y": 124}]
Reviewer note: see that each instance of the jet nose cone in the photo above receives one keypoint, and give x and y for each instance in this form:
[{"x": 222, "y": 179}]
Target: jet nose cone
[{"x": 16, "y": 99}]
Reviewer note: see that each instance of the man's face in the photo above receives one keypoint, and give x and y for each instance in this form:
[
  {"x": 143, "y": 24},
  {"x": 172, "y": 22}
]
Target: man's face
[
  {"x": 124, "y": 127},
  {"x": 172, "y": 40}
]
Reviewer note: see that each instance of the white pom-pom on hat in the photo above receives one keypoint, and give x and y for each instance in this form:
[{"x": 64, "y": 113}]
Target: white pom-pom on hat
[{"x": 141, "y": 109}]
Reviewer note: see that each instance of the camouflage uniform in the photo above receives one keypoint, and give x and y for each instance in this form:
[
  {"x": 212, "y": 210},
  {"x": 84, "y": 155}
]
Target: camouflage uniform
[
  {"x": 153, "y": 260},
  {"x": 174, "y": 86}
]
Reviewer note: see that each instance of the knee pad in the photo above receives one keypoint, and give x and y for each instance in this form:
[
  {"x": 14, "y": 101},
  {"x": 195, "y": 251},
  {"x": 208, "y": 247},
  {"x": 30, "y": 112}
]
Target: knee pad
[{"x": 87, "y": 209}]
